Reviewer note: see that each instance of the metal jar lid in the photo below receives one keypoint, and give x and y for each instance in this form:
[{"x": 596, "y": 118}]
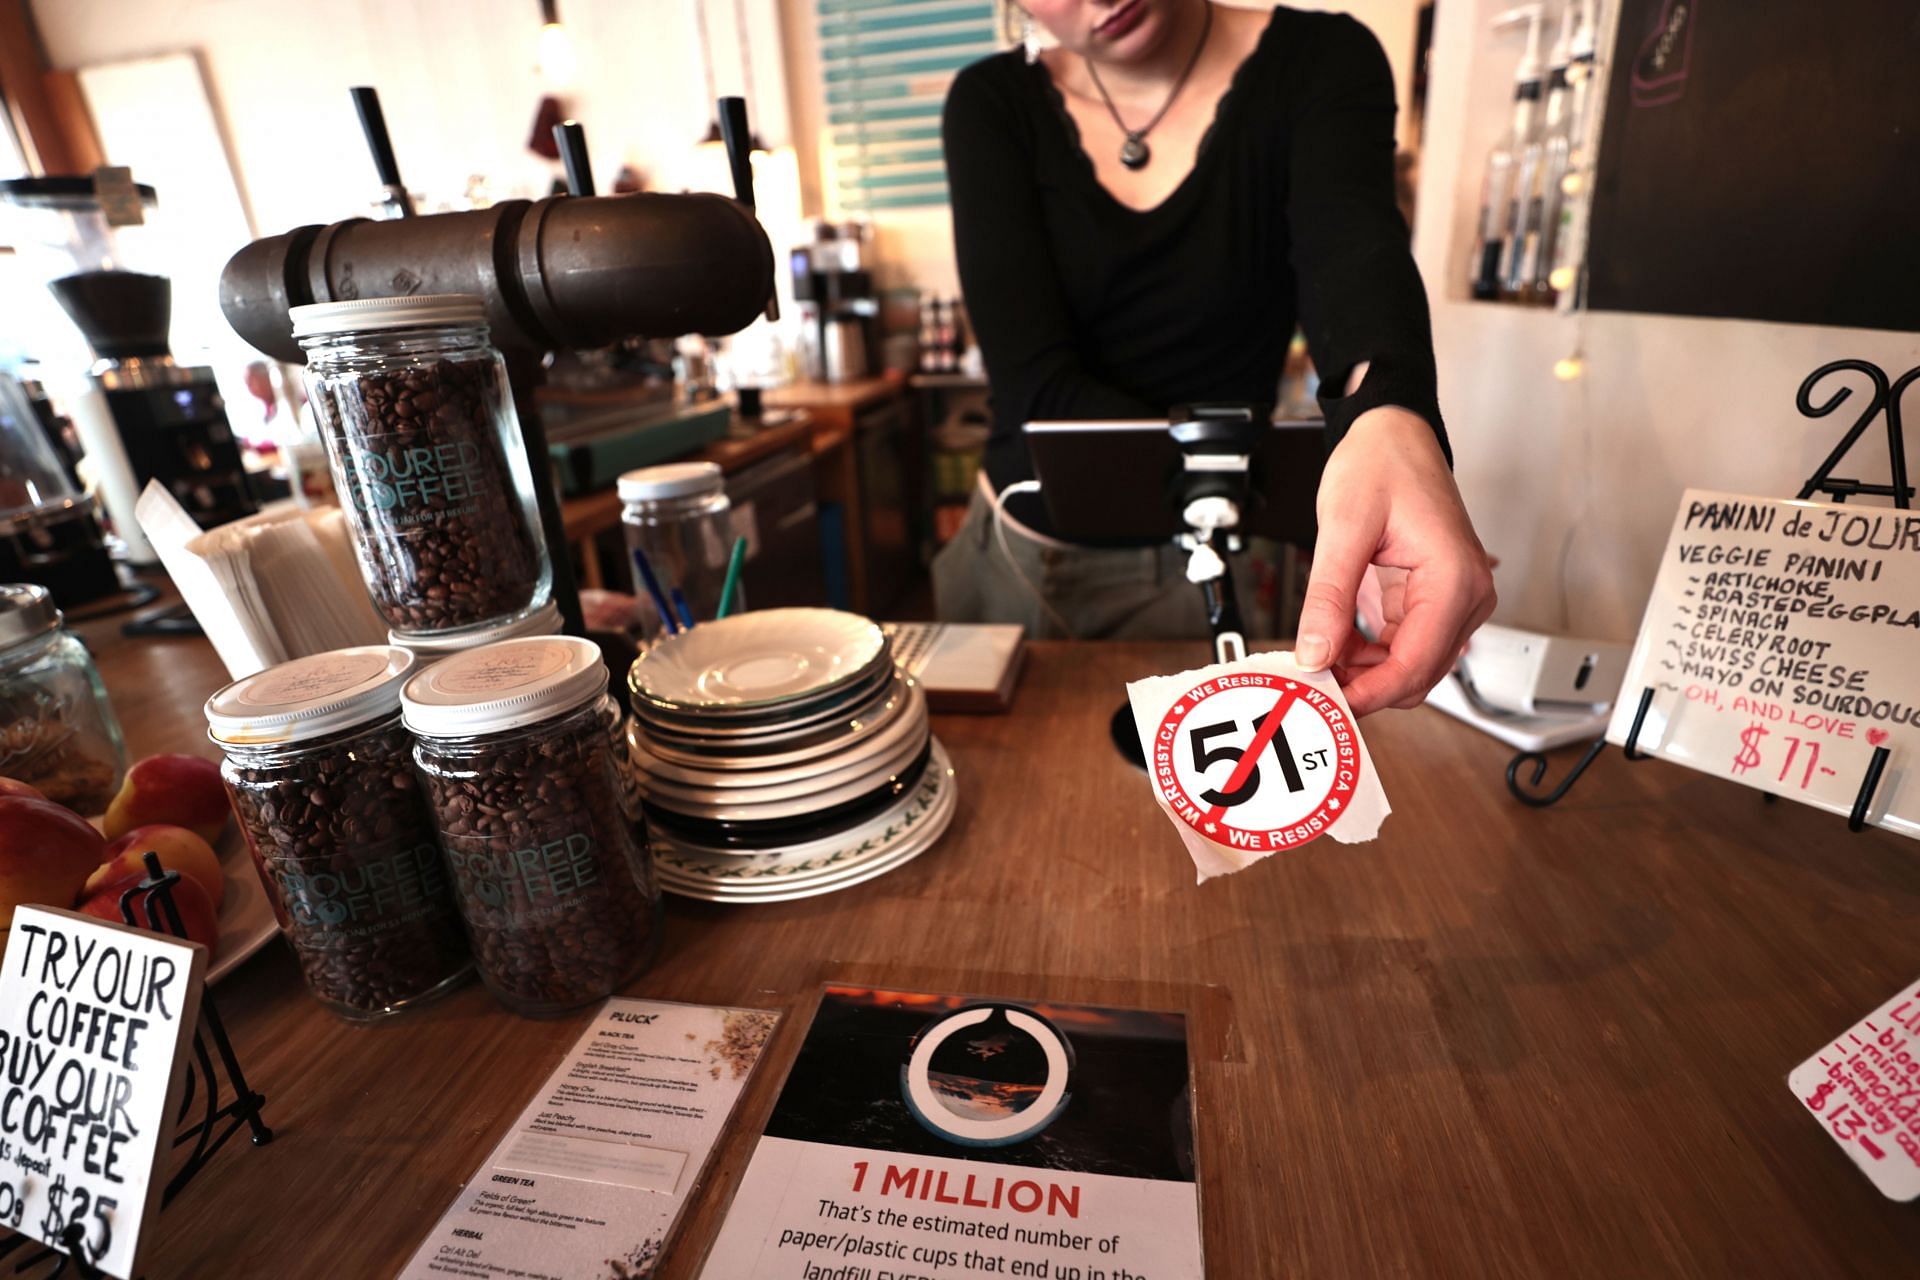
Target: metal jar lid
[
  {"x": 506, "y": 685},
  {"x": 674, "y": 480},
  {"x": 362, "y": 315},
  {"x": 310, "y": 697},
  {"x": 26, "y": 613}
]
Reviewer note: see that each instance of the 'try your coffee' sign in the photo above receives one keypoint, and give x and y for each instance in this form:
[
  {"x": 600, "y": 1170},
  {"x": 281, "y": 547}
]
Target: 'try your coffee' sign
[{"x": 96, "y": 1020}]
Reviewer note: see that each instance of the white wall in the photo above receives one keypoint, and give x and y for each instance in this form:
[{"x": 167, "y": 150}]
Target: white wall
[
  {"x": 1574, "y": 484},
  {"x": 457, "y": 79}
]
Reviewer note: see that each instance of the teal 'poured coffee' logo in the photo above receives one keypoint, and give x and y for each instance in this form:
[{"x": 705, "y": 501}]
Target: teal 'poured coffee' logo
[{"x": 413, "y": 478}]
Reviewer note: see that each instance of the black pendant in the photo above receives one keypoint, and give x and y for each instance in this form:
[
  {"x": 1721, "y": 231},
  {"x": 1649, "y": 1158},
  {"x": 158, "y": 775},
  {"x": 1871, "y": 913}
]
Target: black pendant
[{"x": 1134, "y": 153}]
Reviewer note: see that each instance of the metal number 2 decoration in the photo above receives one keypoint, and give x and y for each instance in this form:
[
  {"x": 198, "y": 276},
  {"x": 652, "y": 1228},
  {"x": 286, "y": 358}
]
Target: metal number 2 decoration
[{"x": 1885, "y": 398}]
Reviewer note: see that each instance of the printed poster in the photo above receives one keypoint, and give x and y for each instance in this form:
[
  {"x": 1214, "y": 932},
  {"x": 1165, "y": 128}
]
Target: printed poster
[{"x": 926, "y": 1137}]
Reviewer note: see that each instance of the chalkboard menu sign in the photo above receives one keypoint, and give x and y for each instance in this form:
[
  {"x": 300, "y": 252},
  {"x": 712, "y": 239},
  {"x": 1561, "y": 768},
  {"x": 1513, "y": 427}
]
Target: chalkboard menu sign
[{"x": 1760, "y": 160}]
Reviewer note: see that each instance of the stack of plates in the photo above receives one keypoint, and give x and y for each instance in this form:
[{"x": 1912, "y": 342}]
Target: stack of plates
[{"x": 781, "y": 754}]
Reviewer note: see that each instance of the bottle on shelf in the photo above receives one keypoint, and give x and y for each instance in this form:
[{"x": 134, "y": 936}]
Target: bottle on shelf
[
  {"x": 1570, "y": 237},
  {"x": 1541, "y": 222},
  {"x": 1526, "y": 152},
  {"x": 943, "y": 336},
  {"x": 1497, "y": 198},
  {"x": 929, "y": 335},
  {"x": 957, "y": 344}
]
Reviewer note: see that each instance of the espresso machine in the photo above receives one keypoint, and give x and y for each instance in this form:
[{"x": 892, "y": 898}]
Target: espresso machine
[
  {"x": 840, "y": 313},
  {"x": 49, "y": 533},
  {"x": 566, "y": 273},
  {"x": 142, "y": 416}
]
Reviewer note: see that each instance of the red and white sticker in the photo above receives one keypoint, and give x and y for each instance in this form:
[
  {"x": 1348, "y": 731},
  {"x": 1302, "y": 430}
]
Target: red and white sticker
[
  {"x": 1256, "y": 761},
  {"x": 1255, "y": 757},
  {"x": 1864, "y": 1089}
]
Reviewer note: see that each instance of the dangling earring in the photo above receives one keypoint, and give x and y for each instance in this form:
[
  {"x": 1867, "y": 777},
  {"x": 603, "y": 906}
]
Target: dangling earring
[{"x": 1030, "y": 37}]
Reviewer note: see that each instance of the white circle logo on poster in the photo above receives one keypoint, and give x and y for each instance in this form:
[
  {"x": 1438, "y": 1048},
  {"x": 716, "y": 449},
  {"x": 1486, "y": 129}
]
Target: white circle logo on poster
[{"x": 1256, "y": 761}]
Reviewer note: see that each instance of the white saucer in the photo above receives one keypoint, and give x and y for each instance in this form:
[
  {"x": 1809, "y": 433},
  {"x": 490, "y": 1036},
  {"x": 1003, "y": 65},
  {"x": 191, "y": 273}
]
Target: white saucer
[
  {"x": 930, "y": 808},
  {"x": 935, "y": 779},
  {"x": 756, "y": 721},
  {"x": 865, "y": 741},
  {"x": 744, "y": 788},
  {"x": 792, "y": 802},
  {"x": 798, "y": 732},
  {"x": 759, "y": 659}
]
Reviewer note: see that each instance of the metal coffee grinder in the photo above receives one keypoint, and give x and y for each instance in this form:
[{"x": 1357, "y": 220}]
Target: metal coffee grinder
[
  {"x": 567, "y": 273},
  {"x": 143, "y": 417}
]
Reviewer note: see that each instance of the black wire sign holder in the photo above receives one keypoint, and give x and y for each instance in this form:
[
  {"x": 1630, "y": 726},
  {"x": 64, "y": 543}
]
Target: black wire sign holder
[
  {"x": 219, "y": 1117},
  {"x": 1884, "y": 400}
]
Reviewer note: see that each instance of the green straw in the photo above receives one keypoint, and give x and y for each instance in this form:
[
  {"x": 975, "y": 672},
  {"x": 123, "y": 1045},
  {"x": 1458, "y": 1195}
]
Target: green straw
[{"x": 732, "y": 584}]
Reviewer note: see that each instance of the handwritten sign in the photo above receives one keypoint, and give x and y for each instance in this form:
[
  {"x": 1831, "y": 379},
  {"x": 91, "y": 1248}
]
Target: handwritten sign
[
  {"x": 1780, "y": 642},
  {"x": 1864, "y": 1088},
  {"x": 95, "y": 1023},
  {"x": 1254, "y": 757}
]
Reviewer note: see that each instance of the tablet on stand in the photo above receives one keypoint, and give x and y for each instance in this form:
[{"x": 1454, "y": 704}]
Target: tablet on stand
[{"x": 1207, "y": 479}]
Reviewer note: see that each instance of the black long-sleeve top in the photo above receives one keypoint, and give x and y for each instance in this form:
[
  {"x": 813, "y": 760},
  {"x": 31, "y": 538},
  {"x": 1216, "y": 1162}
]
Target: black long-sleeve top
[{"x": 1085, "y": 308}]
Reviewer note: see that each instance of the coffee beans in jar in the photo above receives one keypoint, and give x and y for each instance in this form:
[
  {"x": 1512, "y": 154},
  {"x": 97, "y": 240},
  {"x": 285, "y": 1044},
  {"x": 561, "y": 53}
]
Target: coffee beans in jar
[
  {"x": 321, "y": 775},
  {"x": 428, "y": 458},
  {"x": 550, "y": 873}
]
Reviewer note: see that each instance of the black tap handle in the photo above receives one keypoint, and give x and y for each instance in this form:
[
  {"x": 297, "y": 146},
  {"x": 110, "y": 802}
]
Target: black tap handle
[
  {"x": 366, "y": 100},
  {"x": 572, "y": 141},
  {"x": 733, "y": 131}
]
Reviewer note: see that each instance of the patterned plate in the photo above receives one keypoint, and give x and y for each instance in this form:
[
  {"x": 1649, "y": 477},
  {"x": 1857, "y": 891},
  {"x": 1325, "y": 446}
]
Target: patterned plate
[
  {"x": 933, "y": 799},
  {"x": 926, "y": 833}
]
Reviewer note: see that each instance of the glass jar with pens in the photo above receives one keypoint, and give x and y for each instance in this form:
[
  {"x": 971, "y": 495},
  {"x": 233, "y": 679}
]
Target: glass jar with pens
[{"x": 681, "y": 534}]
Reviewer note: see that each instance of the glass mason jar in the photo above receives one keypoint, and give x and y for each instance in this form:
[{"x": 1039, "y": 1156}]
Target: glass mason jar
[
  {"x": 427, "y": 455},
  {"x": 678, "y": 516},
  {"x": 57, "y": 729},
  {"x": 427, "y": 650},
  {"x": 514, "y": 743},
  {"x": 320, "y": 771}
]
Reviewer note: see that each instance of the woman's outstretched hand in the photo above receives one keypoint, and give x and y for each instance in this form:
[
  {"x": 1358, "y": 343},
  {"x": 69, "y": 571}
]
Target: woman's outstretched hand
[{"x": 1387, "y": 502}]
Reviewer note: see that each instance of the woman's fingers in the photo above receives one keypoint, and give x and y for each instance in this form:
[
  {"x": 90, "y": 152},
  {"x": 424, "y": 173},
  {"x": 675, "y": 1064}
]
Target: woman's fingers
[
  {"x": 1445, "y": 602},
  {"x": 1341, "y": 554}
]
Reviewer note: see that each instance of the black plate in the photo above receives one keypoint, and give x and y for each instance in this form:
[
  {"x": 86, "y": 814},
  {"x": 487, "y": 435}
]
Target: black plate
[{"x": 756, "y": 837}]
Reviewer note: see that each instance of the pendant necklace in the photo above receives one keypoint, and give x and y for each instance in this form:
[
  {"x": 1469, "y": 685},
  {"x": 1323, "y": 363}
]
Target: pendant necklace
[{"x": 1134, "y": 152}]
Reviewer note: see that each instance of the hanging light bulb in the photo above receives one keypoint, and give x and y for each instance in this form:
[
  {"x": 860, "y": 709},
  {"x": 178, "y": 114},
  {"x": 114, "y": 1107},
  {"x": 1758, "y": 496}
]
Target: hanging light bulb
[
  {"x": 1570, "y": 368},
  {"x": 554, "y": 55}
]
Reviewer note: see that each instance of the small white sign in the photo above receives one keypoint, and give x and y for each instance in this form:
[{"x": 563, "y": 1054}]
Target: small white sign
[
  {"x": 1865, "y": 1088},
  {"x": 96, "y": 1020},
  {"x": 1254, "y": 757},
  {"x": 1779, "y": 643},
  {"x": 592, "y": 1177}
]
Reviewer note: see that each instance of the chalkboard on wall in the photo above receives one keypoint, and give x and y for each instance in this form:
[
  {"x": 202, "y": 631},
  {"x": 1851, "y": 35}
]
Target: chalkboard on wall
[{"x": 1760, "y": 160}]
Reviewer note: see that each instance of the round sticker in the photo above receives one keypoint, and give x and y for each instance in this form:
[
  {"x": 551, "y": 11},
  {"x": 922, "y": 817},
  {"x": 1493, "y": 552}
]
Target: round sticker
[
  {"x": 987, "y": 1075},
  {"x": 1256, "y": 761},
  {"x": 503, "y": 669},
  {"x": 309, "y": 679}
]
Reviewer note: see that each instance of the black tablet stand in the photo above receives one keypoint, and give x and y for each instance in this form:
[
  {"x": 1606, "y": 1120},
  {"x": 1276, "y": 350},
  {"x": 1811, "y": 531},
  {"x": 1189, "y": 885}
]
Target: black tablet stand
[
  {"x": 1886, "y": 397},
  {"x": 1211, "y": 493},
  {"x": 218, "y": 1120}
]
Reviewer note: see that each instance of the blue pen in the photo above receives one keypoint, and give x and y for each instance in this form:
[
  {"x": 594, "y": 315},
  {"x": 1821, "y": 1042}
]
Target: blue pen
[
  {"x": 652, "y": 584},
  {"x": 681, "y": 607}
]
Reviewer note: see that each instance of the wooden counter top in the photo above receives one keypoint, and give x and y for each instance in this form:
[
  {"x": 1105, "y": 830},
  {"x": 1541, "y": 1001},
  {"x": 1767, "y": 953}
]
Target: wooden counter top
[{"x": 1497, "y": 1042}]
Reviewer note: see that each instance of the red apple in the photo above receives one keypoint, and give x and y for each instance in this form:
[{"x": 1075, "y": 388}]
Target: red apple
[
  {"x": 196, "y": 913},
  {"x": 179, "y": 849},
  {"x": 180, "y": 791},
  {"x": 46, "y": 854},
  {"x": 15, "y": 787}
]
